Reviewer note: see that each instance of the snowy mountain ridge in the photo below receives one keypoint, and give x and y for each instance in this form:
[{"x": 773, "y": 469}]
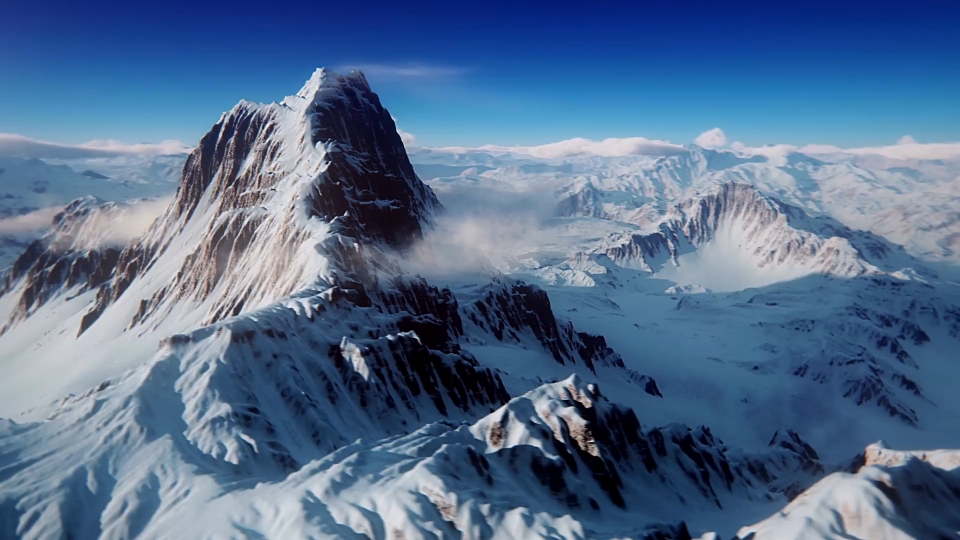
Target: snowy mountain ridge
[{"x": 737, "y": 219}]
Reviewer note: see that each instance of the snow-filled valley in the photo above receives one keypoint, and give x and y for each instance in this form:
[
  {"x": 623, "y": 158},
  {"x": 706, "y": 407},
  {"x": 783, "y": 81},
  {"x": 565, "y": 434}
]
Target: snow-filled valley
[{"x": 316, "y": 332}]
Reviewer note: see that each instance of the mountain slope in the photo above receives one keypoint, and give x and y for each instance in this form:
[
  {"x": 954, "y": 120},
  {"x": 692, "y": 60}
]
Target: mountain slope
[
  {"x": 771, "y": 241},
  {"x": 895, "y": 495}
]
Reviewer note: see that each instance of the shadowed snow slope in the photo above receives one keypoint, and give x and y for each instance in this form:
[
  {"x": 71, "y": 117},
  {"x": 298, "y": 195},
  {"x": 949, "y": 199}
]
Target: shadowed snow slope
[{"x": 895, "y": 495}]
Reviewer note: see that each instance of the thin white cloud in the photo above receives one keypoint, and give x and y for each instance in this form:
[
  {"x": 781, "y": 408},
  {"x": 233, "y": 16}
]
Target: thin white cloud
[
  {"x": 17, "y": 145},
  {"x": 581, "y": 147},
  {"x": 161, "y": 148},
  {"x": 776, "y": 153},
  {"x": 115, "y": 228},
  {"x": 906, "y": 139},
  {"x": 35, "y": 221},
  {"x": 403, "y": 71},
  {"x": 407, "y": 138},
  {"x": 909, "y": 151},
  {"x": 712, "y": 138},
  {"x": 903, "y": 150},
  {"x": 123, "y": 226}
]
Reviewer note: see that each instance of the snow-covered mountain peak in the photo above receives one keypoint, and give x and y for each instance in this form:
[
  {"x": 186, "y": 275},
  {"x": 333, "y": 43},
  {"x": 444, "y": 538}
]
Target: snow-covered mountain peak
[
  {"x": 324, "y": 78},
  {"x": 274, "y": 200},
  {"x": 735, "y": 229}
]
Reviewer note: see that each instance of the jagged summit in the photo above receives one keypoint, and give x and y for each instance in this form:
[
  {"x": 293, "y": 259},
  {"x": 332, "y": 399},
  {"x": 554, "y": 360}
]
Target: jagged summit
[
  {"x": 275, "y": 197},
  {"x": 309, "y": 145},
  {"x": 324, "y": 78}
]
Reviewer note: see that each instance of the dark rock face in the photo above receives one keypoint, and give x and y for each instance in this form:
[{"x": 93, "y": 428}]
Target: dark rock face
[
  {"x": 587, "y": 202},
  {"x": 653, "y": 249},
  {"x": 244, "y": 133},
  {"x": 701, "y": 219},
  {"x": 863, "y": 378},
  {"x": 94, "y": 174},
  {"x": 450, "y": 382},
  {"x": 386, "y": 202},
  {"x": 871, "y": 366},
  {"x": 864, "y": 341},
  {"x": 695, "y": 222},
  {"x": 678, "y": 531},
  {"x": 510, "y": 309},
  {"x": 432, "y": 313},
  {"x": 131, "y": 262}
]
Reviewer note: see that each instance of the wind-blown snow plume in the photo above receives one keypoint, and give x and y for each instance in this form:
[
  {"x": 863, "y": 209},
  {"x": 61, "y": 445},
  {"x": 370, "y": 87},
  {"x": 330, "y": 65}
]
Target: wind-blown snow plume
[{"x": 480, "y": 229}]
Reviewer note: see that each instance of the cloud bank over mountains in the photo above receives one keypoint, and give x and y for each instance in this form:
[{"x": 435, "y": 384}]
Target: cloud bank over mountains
[
  {"x": 905, "y": 148},
  {"x": 25, "y": 147}
]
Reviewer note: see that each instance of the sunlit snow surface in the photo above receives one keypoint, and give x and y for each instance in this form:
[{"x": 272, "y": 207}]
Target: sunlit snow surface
[{"x": 755, "y": 319}]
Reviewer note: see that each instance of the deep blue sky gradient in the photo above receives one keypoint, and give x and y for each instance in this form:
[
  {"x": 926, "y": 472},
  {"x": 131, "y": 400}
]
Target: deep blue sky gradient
[{"x": 841, "y": 73}]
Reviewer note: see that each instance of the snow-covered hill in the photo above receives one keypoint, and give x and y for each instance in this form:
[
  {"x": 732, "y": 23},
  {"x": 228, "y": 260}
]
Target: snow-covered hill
[
  {"x": 894, "y": 495},
  {"x": 311, "y": 342}
]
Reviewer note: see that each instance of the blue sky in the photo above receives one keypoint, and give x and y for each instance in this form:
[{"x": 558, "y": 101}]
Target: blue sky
[{"x": 490, "y": 72}]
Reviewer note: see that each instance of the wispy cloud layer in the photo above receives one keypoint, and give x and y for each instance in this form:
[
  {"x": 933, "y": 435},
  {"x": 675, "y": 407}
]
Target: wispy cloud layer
[
  {"x": 404, "y": 71},
  {"x": 35, "y": 221},
  {"x": 25, "y": 147},
  {"x": 407, "y": 138},
  {"x": 117, "y": 228},
  {"x": 582, "y": 147},
  {"x": 905, "y": 149}
]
